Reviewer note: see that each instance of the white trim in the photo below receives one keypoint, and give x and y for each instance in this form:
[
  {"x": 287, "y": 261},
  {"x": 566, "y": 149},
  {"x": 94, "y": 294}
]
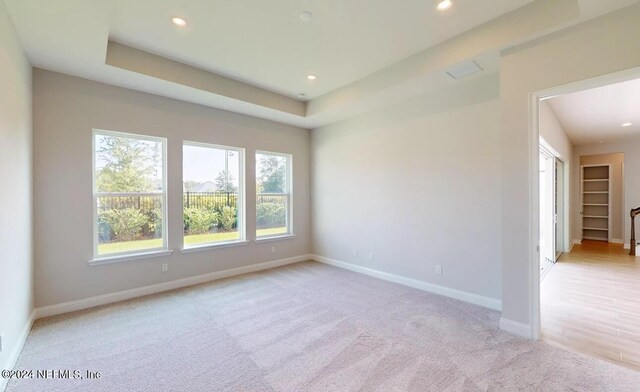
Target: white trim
[
  {"x": 515, "y": 328},
  {"x": 465, "y": 296},
  {"x": 617, "y": 241},
  {"x": 534, "y": 217},
  {"x": 534, "y": 214},
  {"x": 275, "y": 238},
  {"x": 17, "y": 349},
  {"x": 91, "y": 302},
  {"x": 119, "y": 258},
  {"x": 164, "y": 195},
  {"x": 289, "y": 184},
  {"x": 241, "y": 204},
  {"x": 624, "y": 213},
  {"x": 212, "y": 246}
]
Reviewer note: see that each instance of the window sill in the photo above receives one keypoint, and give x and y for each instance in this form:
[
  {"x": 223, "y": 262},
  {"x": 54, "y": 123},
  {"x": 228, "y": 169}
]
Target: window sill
[
  {"x": 206, "y": 247},
  {"x": 129, "y": 257},
  {"x": 276, "y": 238}
]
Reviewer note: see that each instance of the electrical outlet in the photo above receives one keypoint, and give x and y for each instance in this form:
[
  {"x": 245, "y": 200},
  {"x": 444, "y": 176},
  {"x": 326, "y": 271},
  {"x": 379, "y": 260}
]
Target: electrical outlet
[
  {"x": 370, "y": 256},
  {"x": 439, "y": 269},
  {"x": 273, "y": 249},
  {"x": 355, "y": 253},
  {"x": 165, "y": 267}
]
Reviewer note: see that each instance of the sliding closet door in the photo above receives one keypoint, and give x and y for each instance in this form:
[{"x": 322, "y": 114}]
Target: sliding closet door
[
  {"x": 559, "y": 207},
  {"x": 547, "y": 211}
]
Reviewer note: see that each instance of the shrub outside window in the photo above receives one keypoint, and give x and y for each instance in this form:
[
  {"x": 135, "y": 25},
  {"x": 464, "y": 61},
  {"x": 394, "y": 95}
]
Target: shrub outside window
[
  {"x": 129, "y": 192},
  {"x": 273, "y": 194},
  {"x": 213, "y": 194}
]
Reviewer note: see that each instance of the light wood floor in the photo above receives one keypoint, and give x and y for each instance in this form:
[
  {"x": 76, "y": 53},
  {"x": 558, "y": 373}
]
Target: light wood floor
[{"x": 590, "y": 303}]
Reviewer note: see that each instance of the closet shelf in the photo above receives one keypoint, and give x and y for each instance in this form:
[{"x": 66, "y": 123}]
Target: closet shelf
[
  {"x": 594, "y": 238},
  {"x": 600, "y": 177}
]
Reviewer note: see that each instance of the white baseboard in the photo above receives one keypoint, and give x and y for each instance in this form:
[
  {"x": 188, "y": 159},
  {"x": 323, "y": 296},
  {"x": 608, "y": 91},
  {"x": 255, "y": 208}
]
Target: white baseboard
[
  {"x": 516, "y": 328},
  {"x": 91, "y": 302},
  {"x": 475, "y": 299},
  {"x": 17, "y": 349},
  {"x": 617, "y": 241},
  {"x": 576, "y": 242}
]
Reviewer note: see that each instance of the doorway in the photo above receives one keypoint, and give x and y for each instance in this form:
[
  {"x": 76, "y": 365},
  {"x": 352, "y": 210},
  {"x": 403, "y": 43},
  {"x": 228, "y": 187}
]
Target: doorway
[{"x": 584, "y": 297}]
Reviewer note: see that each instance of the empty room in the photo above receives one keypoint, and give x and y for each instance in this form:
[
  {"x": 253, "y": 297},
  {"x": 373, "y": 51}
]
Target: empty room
[{"x": 297, "y": 195}]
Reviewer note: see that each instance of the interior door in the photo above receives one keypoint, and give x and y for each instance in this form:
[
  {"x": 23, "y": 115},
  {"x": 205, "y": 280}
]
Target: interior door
[
  {"x": 559, "y": 207},
  {"x": 547, "y": 211}
]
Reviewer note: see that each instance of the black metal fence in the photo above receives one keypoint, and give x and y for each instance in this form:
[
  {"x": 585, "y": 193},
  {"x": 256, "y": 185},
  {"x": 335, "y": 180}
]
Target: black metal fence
[
  {"x": 209, "y": 200},
  {"x": 204, "y": 200},
  {"x": 143, "y": 203}
]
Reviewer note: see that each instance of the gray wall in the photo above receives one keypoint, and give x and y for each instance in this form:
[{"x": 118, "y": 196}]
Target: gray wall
[
  {"x": 16, "y": 264},
  {"x": 65, "y": 111},
  {"x": 598, "y": 47},
  {"x": 417, "y": 184},
  {"x": 553, "y": 133}
]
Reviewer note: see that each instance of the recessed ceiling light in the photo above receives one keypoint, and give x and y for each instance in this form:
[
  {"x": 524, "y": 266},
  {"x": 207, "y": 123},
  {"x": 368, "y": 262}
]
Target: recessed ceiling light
[
  {"x": 179, "y": 21},
  {"x": 444, "y": 5},
  {"x": 312, "y": 77},
  {"x": 301, "y": 95},
  {"x": 305, "y": 16},
  {"x": 627, "y": 124}
]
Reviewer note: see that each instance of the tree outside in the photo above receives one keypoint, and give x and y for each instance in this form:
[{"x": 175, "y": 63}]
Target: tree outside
[
  {"x": 225, "y": 182},
  {"x": 127, "y": 165},
  {"x": 271, "y": 173}
]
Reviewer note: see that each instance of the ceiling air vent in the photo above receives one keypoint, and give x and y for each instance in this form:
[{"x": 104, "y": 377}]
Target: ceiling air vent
[{"x": 463, "y": 70}]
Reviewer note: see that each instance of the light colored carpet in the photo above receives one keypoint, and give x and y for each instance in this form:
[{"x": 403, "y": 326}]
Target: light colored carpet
[{"x": 304, "y": 327}]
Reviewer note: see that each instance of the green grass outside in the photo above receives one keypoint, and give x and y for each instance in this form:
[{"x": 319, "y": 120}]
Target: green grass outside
[{"x": 189, "y": 240}]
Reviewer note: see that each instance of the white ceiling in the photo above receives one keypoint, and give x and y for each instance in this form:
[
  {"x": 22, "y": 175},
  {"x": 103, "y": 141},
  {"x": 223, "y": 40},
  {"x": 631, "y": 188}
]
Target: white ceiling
[
  {"x": 266, "y": 44},
  {"x": 366, "y": 53},
  {"x": 595, "y": 115}
]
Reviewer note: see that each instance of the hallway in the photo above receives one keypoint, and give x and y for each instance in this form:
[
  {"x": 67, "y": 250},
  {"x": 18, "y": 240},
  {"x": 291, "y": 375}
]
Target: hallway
[{"x": 590, "y": 303}]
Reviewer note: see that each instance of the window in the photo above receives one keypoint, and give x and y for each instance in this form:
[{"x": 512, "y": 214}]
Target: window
[
  {"x": 213, "y": 189},
  {"x": 129, "y": 192},
  {"x": 273, "y": 199}
]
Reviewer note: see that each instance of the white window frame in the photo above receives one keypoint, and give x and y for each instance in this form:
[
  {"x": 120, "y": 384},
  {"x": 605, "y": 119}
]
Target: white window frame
[
  {"x": 289, "y": 186},
  {"x": 136, "y": 253},
  {"x": 240, "y": 203}
]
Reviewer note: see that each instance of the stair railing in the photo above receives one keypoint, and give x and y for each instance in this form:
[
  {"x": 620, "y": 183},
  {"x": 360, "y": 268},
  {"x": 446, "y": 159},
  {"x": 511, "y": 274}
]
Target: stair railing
[{"x": 633, "y": 244}]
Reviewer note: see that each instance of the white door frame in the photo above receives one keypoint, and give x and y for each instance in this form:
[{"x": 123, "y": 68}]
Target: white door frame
[
  {"x": 534, "y": 202},
  {"x": 609, "y": 198}
]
